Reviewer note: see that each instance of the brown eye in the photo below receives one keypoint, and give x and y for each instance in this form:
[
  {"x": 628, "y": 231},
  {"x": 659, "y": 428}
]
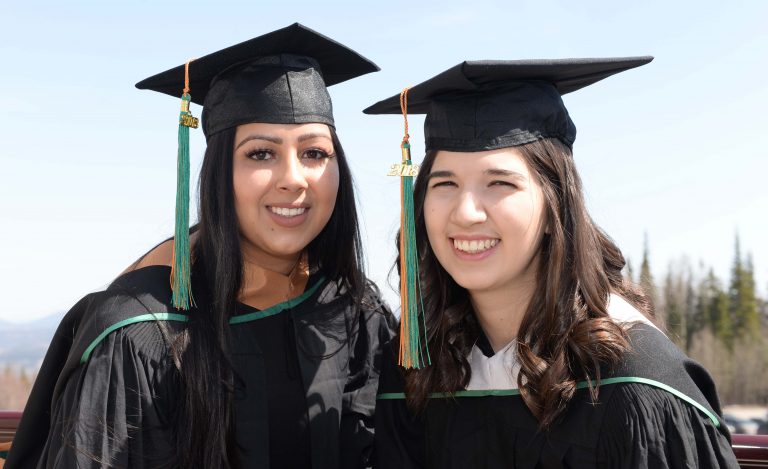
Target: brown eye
[
  {"x": 316, "y": 154},
  {"x": 444, "y": 184},
  {"x": 260, "y": 154},
  {"x": 503, "y": 183}
]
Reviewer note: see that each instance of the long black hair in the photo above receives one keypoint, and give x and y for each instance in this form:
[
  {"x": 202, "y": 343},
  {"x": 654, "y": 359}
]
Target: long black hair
[{"x": 204, "y": 429}]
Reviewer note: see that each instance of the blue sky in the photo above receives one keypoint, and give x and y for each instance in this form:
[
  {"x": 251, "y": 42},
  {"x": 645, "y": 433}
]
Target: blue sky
[{"x": 675, "y": 149}]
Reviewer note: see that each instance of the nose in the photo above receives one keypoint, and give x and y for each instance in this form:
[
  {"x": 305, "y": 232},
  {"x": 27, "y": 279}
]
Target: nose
[
  {"x": 292, "y": 177},
  {"x": 469, "y": 210}
]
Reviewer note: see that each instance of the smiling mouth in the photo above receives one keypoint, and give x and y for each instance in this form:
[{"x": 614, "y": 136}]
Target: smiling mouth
[
  {"x": 288, "y": 212},
  {"x": 474, "y": 246}
]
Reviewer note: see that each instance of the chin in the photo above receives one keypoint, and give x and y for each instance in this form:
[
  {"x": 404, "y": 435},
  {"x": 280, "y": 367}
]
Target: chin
[
  {"x": 472, "y": 281},
  {"x": 287, "y": 250}
]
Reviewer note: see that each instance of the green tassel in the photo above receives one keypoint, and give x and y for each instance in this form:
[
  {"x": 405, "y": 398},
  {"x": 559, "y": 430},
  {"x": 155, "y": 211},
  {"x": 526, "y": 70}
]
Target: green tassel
[
  {"x": 181, "y": 282},
  {"x": 413, "y": 328}
]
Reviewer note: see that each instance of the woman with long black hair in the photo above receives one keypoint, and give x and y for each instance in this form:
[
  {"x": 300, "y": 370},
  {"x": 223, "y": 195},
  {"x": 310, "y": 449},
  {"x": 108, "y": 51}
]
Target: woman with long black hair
[
  {"x": 537, "y": 352},
  {"x": 267, "y": 354}
]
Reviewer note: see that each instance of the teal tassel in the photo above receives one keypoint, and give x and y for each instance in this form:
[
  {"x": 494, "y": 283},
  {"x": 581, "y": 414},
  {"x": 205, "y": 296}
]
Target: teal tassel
[
  {"x": 181, "y": 282},
  {"x": 413, "y": 328}
]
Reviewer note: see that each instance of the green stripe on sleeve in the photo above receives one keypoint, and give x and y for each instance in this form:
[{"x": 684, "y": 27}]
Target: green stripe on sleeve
[
  {"x": 580, "y": 385},
  {"x": 669, "y": 389},
  {"x": 129, "y": 321}
]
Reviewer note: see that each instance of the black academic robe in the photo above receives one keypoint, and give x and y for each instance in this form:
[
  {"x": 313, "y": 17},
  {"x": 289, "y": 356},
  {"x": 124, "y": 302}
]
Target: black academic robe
[
  {"x": 658, "y": 410},
  {"x": 306, "y": 375}
]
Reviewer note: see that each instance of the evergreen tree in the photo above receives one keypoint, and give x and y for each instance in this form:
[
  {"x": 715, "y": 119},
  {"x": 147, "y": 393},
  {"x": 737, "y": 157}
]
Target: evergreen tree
[
  {"x": 673, "y": 307},
  {"x": 750, "y": 302},
  {"x": 708, "y": 294},
  {"x": 646, "y": 279},
  {"x": 742, "y": 301},
  {"x": 694, "y": 317},
  {"x": 705, "y": 293},
  {"x": 712, "y": 309},
  {"x": 721, "y": 318}
]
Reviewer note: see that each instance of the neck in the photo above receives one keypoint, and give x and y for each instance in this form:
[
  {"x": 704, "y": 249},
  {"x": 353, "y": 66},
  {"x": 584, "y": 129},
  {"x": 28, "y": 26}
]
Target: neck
[
  {"x": 500, "y": 311},
  {"x": 254, "y": 259},
  {"x": 263, "y": 287}
]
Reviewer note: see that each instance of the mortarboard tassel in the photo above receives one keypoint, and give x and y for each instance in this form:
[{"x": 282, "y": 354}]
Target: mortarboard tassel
[
  {"x": 181, "y": 282},
  {"x": 412, "y": 308}
]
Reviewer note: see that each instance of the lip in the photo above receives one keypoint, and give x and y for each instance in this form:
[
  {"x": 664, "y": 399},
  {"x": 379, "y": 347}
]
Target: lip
[
  {"x": 473, "y": 237},
  {"x": 288, "y": 205},
  {"x": 288, "y": 222},
  {"x": 478, "y": 256}
]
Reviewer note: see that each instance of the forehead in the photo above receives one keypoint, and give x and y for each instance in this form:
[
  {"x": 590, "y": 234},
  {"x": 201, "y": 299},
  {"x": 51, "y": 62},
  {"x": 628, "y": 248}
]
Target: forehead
[{"x": 467, "y": 163}]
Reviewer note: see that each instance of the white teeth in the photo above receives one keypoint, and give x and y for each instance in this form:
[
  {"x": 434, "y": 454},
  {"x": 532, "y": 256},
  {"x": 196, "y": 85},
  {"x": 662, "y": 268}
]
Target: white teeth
[
  {"x": 288, "y": 212},
  {"x": 474, "y": 246}
]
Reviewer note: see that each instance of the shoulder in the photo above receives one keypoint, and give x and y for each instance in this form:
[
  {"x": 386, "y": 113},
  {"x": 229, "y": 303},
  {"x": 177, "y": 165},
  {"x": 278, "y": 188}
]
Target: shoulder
[
  {"x": 645, "y": 426},
  {"x": 638, "y": 404},
  {"x": 162, "y": 254},
  {"x": 624, "y": 313},
  {"x": 652, "y": 353},
  {"x": 121, "y": 321},
  {"x": 655, "y": 366},
  {"x": 139, "y": 296}
]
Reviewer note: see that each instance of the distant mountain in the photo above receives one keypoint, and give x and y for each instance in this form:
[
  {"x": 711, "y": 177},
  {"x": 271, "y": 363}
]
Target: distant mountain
[{"x": 23, "y": 345}]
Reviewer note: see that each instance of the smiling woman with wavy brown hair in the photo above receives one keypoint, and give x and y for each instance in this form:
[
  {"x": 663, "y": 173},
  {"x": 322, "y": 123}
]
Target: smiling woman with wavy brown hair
[
  {"x": 564, "y": 332},
  {"x": 542, "y": 354}
]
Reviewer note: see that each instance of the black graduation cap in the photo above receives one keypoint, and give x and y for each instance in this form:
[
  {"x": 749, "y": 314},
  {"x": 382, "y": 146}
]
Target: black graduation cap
[
  {"x": 490, "y": 104},
  {"x": 280, "y": 77}
]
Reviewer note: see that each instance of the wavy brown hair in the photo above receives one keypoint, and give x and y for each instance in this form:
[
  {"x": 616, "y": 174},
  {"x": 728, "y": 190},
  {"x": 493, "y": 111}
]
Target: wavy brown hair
[{"x": 566, "y": 334}]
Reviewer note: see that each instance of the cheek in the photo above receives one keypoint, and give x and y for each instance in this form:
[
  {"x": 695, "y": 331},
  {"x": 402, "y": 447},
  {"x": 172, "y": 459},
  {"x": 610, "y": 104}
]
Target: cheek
[
  {"x": 522, "y": 225},
  {"x": 434, "y": 220},
  {"x": 537, "y": 214},
  {"x": 521, "y": 212},
  {"x": 326, "y": 182},
  {"x": 249, "y": 186}
]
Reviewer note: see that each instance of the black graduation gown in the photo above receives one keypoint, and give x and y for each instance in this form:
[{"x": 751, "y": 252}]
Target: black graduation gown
[
  {"x": 106, "y": 393},
  {"x": 667, "y": 415}
]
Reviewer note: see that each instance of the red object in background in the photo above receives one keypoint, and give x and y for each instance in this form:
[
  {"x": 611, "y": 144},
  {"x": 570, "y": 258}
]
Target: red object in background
[
  {"x": 751, "y": 450},
  {"x": 9, "y": 420}
]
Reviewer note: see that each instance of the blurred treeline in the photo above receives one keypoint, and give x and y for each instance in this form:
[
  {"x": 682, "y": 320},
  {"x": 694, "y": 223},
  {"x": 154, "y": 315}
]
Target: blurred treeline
[
  {"x": 720, "y": 323},
  {"x": 15, "y": 385}
]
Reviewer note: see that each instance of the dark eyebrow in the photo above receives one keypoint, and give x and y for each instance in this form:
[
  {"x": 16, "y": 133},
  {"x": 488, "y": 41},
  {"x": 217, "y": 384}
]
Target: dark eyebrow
[
  {"x": 440, "y": 174},
  {"x": 505, "y": 173},
  {"x": 312, "y": 135},
  {"x": 487, "y": 172},
  {"x": 268, "y": 138}
]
